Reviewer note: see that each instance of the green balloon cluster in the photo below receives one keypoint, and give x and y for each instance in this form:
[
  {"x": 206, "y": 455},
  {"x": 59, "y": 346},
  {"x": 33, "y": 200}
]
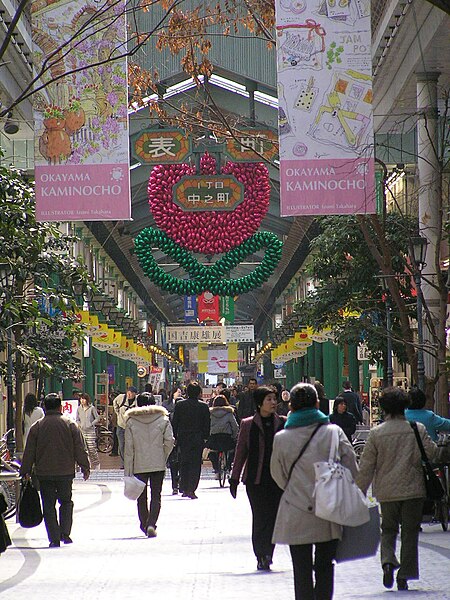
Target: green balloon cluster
[{"x": 207, "y": 278}]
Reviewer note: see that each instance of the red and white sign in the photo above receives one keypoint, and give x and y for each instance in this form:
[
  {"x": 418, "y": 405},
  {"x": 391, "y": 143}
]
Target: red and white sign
[{"x": 208, "y": 307}]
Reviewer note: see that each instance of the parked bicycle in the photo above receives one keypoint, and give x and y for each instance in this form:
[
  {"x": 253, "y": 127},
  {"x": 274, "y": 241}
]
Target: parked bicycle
[
  {"x": 104, "y": 439},
  {"x": 9, "y": 476}
]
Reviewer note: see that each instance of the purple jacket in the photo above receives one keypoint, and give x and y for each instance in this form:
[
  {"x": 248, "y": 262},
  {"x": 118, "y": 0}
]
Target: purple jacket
[{"x": 243, "y": 443}]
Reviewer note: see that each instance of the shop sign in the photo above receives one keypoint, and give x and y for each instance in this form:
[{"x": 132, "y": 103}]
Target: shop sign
[
  {"x": 208, "y": 193},
  {"x": 194, "y": 335},
  {"x": 240, "y": 333},
  {"x": 253, "y": 145},
  {"x": 160, "y": 146}
]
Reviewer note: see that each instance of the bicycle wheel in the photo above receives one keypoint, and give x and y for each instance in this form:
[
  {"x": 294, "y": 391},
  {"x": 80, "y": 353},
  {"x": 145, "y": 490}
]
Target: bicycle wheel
[
  {"x": 105, "y": 442},
  {"x": 8, "y": 489},
  {"x": 442, "y": 512},
  {"x": 222, "y": 468},
  {"x": 358, "y": 447}
]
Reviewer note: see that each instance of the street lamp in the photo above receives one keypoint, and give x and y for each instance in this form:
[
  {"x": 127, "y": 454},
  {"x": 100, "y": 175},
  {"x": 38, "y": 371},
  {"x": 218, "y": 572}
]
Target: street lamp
[
  {"x": 5, "y": 285},
  {"x": 387, "y": 302},
  {"x": 419, "y": 251}
]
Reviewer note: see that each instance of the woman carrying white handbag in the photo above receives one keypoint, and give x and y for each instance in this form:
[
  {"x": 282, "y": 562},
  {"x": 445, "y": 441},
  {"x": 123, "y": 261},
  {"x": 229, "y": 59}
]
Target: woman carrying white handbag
[{"x": 307, "y": 439}]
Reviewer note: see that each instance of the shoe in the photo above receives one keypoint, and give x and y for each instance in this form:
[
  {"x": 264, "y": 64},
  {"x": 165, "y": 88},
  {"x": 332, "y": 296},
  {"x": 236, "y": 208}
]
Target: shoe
[
  {"x": 402, "y": 584},
  {"x": 264, "y": 563},
  {"x": 388, "y": 575},
  {"x": 185, "y": 495},
  {"x": 151, "y": 531},
  {"x": 54, "y": 545},
  {"x": 192, "y": 496},
  {"x": 66, "y": 539},
  {"x": 175, "y": 492}
]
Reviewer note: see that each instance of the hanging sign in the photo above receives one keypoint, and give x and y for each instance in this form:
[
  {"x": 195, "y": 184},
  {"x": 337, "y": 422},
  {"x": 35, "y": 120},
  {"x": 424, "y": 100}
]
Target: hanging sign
[
  {"x": 240, "y": 333},
  {"x": 194, "y": 335},
  {"x": 227, "y": 308},
  {"x": 208, "y": 307},
  {"x": 324, "y": 67},
  {"x": 190, "y": 309},
  {"x": 81, "y": 120},
  {"x": 160, "y": 146},
  {"x": 208, "y": 192},
  {"x": 253, "y": 145}
]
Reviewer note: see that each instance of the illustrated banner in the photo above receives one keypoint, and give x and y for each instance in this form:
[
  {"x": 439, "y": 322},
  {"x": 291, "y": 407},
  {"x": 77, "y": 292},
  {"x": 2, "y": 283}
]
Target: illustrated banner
[
  {"x": 80, "y": 111},
  {"x": 325, "y": 107}
]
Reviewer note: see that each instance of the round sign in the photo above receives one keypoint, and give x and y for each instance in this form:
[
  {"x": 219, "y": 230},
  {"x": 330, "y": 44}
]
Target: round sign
[{"x": 141, "y": 371}]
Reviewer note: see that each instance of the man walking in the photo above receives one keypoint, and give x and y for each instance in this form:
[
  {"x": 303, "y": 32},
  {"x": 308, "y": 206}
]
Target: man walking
[
  {"x": 246, "y": 405},
  {"x": 121, "y": 404},
  {"x": 352, "y": 400},
  {"x": 53, "y": 446},
  {"x": 191, "y": 424}
]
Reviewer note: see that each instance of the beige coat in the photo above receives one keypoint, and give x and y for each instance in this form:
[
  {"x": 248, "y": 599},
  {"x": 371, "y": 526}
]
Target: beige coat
[
  {"x": 148, "y": 439},
  {"x": 391, "y": 459},
  {"x": 296, "y": 522}
]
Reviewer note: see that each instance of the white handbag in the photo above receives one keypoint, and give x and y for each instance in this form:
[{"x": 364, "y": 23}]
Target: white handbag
[
  {"x": 133, "y": 487},
  {"x": 338, "y": 499}
]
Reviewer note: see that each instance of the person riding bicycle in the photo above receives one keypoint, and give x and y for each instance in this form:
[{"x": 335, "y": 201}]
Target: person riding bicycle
[{"x": 223, "y": 432}]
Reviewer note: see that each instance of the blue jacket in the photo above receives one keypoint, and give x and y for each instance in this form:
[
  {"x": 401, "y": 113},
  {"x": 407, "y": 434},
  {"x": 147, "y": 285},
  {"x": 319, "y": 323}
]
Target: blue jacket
[{"x": 432, "y": 422}]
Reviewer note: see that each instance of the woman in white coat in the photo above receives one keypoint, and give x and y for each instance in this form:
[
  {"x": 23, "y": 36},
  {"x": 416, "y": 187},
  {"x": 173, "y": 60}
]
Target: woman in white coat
[
  {"x": 148, "y": 443},
  {"x": 296, "y": 524}
]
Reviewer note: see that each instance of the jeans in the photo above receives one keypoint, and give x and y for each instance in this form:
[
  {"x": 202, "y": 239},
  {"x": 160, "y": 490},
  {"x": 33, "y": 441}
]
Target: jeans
[
  {"x": 121, "y": 442},
  {"x": 302, "y": 562},
  {"x": 148, "y": 518},
  {"x": 264, "y": 500},
  {"x": 52, "y": 490},
  {"x": 406, "y": 514}
]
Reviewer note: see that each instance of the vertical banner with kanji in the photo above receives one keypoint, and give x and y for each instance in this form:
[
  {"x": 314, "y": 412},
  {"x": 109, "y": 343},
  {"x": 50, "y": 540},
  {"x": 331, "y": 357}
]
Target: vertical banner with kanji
[
  {"x": 227, "y": 309},
  {"x": 80, "y": 111},
  {"x": 208, "y": 307},
  {"x": 190, "y": 309},
  {"x": 326, "y": 135}
]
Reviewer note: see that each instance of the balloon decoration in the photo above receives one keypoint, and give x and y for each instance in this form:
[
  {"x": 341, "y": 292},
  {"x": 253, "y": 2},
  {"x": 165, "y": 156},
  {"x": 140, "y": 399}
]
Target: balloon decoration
[
  {"x": 227, "y": 232},
  {"x": 209, "y": 232},
  {"x": 210, "y": 278}
]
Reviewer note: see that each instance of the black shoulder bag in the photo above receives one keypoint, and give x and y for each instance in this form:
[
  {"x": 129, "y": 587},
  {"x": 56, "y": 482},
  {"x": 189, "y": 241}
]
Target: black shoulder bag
[
  {"x": 433, "y": 486},
  {"x": 302, "y": 451}
]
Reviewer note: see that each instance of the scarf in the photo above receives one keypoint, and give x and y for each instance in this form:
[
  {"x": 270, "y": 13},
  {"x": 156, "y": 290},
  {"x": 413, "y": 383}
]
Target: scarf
[{"x": 304, "y": 417}]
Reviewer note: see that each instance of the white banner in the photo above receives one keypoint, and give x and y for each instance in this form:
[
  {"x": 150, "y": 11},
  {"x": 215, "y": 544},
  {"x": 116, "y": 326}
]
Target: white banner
[
  {"x": 240, "y": 333},
  {"x": 195, "y": 335},
  {"x": 324, "y": 69}
]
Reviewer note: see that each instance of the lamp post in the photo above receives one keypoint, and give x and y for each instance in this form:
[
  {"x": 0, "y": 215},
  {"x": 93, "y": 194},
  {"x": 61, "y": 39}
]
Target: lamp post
[
  {"x": 419, "y": 250},
  {"x": 387, "y": 303},
  {"x": 6, "y": 283}
]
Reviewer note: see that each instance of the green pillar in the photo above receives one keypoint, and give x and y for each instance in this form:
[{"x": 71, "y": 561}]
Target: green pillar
[
  {"x": 311, "y": 361},
  {"x": 353, "y": 366},
  {"x": 289, "y": 367},
  {"x": 88, "y": 365},
  {"x": 318, "y": 361},
  {"x": 331, "y": 369},
  {"x": 67, "y": 387}
]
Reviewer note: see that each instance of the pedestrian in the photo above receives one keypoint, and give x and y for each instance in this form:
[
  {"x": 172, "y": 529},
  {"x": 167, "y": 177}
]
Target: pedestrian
[
  {"x": 283, "y": 406},
  {"x": 148, "y": 444},
  {"x": 191, "y": 423},
  {"x": 173, "y": 462},
  {"x": 296, "y": 524},
  {"x": 113, "y": 423},
  {"x": 223, "y": 432},
  {"x": 392, "y": 460},
  {"x": 31, "y": 413},
  {"x": 121, "y": 404},
  {"x": 417, "y": 412},
  {"x": 246, "y": 404},
  {"x": 252, "y": 459},
  {"x": 5, "y": 540},
  {"x": 54, "y": 445},
  {"x": 353, "y": 401},
  {"x": 324, "y": 403},
  {"x": 340, "y": 416},
  {"x": 87, "y": 419}
]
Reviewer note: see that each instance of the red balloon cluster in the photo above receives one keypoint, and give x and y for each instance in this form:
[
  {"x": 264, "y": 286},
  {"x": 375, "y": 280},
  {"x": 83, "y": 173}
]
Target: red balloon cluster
[{"x": 210, "y": 232}]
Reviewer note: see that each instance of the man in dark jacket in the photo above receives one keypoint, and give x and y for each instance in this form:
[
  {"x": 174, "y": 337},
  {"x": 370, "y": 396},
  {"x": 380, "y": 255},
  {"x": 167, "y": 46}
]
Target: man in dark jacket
[
  {"x": 54, "y": 445},
  {"x": 191, "y": 424},
  {"x": 246, "y": 405},
  {"x": 352, "y": 400}
]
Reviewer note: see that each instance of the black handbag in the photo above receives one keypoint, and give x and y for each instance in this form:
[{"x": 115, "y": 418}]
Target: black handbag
[
  {"x": 433, "y": 486},
  {"x": 29, "y": 508}
]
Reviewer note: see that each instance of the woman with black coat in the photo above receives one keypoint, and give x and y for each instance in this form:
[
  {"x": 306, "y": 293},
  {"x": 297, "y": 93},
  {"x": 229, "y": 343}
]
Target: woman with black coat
[{"x": 343, "y": 418}]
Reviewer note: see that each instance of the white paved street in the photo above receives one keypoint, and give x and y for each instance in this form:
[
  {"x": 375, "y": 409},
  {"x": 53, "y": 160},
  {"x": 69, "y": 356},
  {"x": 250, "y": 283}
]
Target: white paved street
[{"x": 202, "y": 552}]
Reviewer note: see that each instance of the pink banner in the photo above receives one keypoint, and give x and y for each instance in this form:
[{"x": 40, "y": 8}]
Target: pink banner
[{"x": 80, "y": 111}]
